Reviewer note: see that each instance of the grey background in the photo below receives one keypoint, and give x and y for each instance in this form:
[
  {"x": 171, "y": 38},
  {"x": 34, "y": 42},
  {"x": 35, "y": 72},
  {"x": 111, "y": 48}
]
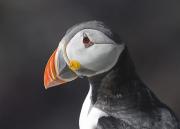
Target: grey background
[{"x": 31, "y": 29}]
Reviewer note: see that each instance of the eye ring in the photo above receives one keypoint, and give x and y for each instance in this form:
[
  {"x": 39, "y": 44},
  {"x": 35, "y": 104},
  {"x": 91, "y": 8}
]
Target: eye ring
[{"x": 86, "y": 41}]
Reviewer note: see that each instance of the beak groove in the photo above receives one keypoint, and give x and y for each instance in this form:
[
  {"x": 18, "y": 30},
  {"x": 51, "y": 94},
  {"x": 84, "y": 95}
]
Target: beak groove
[{"x": 50, "y": 75}]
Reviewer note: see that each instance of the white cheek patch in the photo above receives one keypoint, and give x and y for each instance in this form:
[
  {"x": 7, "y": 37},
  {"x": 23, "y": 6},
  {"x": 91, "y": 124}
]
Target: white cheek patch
[{"x": 99, "y": 57}]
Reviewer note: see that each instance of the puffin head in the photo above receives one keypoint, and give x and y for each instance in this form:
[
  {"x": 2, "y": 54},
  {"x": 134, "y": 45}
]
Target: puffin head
[{"x": 87, "y": 49}]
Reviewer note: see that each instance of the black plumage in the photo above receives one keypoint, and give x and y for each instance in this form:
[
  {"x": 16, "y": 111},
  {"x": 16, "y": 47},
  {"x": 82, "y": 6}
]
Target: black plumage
[{"x": 129, "y": 103}]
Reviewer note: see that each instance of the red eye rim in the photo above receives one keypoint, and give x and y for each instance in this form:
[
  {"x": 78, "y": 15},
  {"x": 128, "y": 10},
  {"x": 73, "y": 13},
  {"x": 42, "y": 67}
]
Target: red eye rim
[{"x": 86, "y": 40}]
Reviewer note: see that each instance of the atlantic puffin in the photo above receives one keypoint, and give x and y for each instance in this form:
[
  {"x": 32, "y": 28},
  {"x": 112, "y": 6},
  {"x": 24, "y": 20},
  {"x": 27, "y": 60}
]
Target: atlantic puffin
[{"x": 117, "y": 97}]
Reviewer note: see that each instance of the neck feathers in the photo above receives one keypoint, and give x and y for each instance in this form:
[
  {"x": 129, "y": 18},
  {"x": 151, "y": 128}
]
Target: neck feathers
[{"x": 120, "y": 87}]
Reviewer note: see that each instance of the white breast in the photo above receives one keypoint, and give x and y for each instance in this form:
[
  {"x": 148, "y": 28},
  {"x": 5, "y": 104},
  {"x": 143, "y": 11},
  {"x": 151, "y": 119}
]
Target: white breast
[{"x": 89, "y": 115}]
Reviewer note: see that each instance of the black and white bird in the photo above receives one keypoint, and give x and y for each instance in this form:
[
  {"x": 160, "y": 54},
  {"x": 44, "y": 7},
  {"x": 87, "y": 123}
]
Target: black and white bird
[{"x": 117, "y": 98}]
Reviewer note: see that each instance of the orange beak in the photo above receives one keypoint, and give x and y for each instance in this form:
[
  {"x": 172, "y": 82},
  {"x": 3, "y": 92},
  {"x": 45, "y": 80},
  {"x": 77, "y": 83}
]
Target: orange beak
[
  {"x": 55, "y": 71},
  {"x": 50, "y": 75}
]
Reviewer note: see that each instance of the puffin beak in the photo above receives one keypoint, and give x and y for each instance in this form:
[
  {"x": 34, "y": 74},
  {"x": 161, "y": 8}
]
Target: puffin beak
[
  {"x": 56, "y": 71},
  {"x": 50, "y": 75}
]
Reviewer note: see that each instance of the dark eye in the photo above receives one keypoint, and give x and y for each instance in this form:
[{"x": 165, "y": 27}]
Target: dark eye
[{"x": 86, "y": 40}]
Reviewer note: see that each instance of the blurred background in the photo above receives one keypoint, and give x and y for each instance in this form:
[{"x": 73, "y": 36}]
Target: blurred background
[{"x": 31, "y": 29}]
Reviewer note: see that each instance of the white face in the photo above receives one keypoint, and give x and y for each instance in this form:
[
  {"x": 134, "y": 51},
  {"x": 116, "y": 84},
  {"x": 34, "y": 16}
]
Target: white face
[{"x": 97, "y": 53}]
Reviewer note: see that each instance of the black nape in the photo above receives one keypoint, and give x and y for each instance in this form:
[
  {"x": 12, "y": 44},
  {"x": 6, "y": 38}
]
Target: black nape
[{"x": 121, "y": 87}]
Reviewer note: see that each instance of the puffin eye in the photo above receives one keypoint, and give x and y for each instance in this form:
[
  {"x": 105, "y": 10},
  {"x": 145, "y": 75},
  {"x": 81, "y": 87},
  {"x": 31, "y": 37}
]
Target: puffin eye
[{"x": 86, "y": 41}]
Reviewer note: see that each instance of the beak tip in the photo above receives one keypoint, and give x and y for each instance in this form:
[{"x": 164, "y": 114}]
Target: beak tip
[
  {"x": 52, "y": 82},
  {"x": 46, "y": 81},
  {"x": 46, "y": 86}
]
